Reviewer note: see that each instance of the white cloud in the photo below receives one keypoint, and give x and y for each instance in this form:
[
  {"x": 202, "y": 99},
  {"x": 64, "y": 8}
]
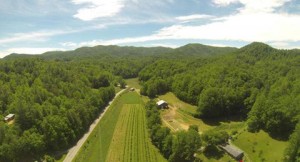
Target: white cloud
[
  {"x": 264, "y": 27},
  {"x": 193, "y": 17},
  {"x": 217, "y": 45},
  {"x": 27, "y": 51},
  {"x": 94, "y": 9},
  {"x": 256, "y": 21},
  {"x": 34, "y": 36},
  {"x": 253, "y": 6},
  {"x": 283, "y": 45},
  {"x": 163, "y": 45},
  {"x": 132, "y": 40},
  {"x": 68, "y": 44},
  {"x": 120, "y": 41},
  {"x": 224, "y": 2},
  {"x": 242, "y": 27},
  {"x": 43, "y": 35}
]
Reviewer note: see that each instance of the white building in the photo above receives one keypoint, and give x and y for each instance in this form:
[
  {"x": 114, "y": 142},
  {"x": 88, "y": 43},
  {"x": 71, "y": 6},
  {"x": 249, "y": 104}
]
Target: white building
[
  {"x": 162, "y": 104},
  {"x": 9, "y": 117}
]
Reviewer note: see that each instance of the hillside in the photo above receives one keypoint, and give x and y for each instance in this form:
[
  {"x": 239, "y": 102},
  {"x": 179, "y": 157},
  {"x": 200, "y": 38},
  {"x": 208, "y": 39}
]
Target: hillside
[
  {"x": 98, "y": 52},
  {"x": 57, "y": 95},
  {"x": 258, "y": 83},
  {"x": 195, "y": 49}
]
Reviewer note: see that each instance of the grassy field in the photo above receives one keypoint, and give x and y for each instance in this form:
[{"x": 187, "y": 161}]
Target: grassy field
[
  {"x": 174, "y": 101},
  {"x": 257, "y": 146},
  {"x": 133, "y": 82},
  {"x": 219, "y": 157},
  {"x": 61, "y": 159},
  {"x": 130, "y": 140},
  {"x": 179, "y": 115},
  {"x": 117, "y": 89},
  {"x": 102, "y": 143},
  {"x": 260, "y": 146},
  {"x": 97, "y": 145}
]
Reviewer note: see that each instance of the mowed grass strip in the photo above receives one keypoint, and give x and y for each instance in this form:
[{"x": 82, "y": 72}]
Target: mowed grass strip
[
  {"x": 97, "y": 145},
  {"x": 130, "y": 140},
  {"x": 174, "y": 101},
  {"x": 121, "y": 135},
  {"x": 133, "y": 82},
  {"x": 260, "y": 146}
]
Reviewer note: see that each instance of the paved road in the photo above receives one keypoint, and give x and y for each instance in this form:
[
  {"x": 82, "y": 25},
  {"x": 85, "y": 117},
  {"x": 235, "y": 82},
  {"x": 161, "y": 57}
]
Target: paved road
[{"x": 74, "y": 150}]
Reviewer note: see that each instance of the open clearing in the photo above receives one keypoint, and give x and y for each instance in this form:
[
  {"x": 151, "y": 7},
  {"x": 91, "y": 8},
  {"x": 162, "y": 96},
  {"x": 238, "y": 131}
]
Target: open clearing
[
  {"x": 257, "y": 146},
  {"x": 133, "y": 82},
  {"x": 179, "y": 115},
  {"x": 260, "y": 146},
  {"x": 130, "y": 141},
  {"x": 174, "y": 101},
  {"x": 121, "y": 135}
]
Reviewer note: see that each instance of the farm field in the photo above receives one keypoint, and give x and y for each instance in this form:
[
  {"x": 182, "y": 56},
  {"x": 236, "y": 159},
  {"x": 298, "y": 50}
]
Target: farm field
[
  {"x": 257, "y": 146},
  {"x": 260, "y": 146},
  {"x": 174, "y": 101},
  {"x": 130, "y": 140},
  {"x": 105, "y": 142},
  {"x": 133, "y": 82},
  {"x": 179, "y": 115},
  {"x": 97, "y": 145},
  {"x": 219, "y": 157},
  {"x": 117, "y": 89}
]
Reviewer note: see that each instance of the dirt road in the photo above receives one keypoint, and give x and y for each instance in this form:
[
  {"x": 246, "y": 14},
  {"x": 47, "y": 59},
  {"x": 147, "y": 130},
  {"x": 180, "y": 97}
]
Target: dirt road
[{"x": 74, "y": 150}]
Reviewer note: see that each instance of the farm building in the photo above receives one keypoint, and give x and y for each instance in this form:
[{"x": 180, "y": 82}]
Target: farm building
[
  {"x": 9, "y": 117},
  {"x": 131, "y": 89},
  {"x": 233, "y": 151},
  {"x": 162, "y": 104}
]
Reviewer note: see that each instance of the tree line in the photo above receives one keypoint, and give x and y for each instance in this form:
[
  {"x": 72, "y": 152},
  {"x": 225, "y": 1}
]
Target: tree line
[
  {"x": 176, "y": 147},
  {"x": 55, "y": 96},
  {"x": 257, "y": 82},
  {"x": 54, "y": 103}
]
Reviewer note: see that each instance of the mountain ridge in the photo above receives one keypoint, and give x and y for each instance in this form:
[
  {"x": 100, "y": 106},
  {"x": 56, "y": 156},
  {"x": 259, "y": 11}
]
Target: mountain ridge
[{"x": 191, "y": 49}]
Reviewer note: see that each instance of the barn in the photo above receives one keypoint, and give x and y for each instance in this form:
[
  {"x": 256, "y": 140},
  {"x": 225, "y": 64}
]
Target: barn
[
  {"x": 9, "y": 117},
  {"x": 162, "y": 104},
  {"x": 233, "y": 151}
]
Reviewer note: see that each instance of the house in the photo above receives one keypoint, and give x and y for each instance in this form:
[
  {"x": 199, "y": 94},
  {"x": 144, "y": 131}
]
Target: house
[
  {"x": 162, "y": 104},
  {"x": 9, "y": 117},
  {"x": 131, "y": 89},
  {"x": 233, "y": 151}
]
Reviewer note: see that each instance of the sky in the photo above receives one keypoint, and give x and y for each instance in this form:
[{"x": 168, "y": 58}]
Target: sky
[{"x": 37, "y": 26}]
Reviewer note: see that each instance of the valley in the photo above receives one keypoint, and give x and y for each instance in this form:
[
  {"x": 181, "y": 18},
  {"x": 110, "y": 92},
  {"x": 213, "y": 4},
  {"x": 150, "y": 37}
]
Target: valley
[
  {"x": 150, "y": 81},
  {"x": 247, "y": 97}
]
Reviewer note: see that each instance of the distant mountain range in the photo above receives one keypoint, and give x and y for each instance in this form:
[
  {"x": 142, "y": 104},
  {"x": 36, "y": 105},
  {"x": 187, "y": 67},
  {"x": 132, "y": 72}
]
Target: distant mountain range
[
  {"x": 192, "y": 49},
  {"x": 112, "y": 50}
]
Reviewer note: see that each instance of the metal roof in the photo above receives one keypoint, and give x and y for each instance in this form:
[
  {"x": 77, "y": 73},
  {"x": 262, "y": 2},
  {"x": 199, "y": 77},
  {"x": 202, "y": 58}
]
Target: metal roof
[
  {"x": 160, "y": 102},
  {"x": 233, "y": 151},
  {"x": 10, "y": 115}
]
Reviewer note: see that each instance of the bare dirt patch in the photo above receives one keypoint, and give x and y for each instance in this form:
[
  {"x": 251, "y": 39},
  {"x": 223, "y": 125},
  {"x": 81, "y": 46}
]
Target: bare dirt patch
[{"x": 169, "y": 118}]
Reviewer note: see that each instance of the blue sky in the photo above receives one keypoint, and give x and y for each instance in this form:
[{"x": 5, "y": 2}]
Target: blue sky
[{"x": 37, "y": 26}]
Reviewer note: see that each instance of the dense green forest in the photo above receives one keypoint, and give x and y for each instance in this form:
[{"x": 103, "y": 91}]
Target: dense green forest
[
  {"x": 57, "y": 95},
  {"x": 257, "y": 82},
  {"x": 54, "y": 103},
  {"x": 178, "y": 147}
]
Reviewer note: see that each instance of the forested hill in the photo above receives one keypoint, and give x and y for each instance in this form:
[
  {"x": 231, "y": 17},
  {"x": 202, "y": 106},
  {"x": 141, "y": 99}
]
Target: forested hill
[
  {"x": 258, "y": 82},
  {"x": 102, "y": 51},
  {"x": 117, "y": 51},
  {"x": 194, "y": 49},
  {"x": 56, "y": 95},
  {"x": 126, "y": 61}
]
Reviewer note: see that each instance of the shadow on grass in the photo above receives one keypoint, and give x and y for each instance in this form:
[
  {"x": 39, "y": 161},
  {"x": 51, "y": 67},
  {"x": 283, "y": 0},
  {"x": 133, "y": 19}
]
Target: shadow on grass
[
  {"x": 218, "y": 121},
  {"x": 213, "y": 152},
  {"x": 280, "y": 135}
]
